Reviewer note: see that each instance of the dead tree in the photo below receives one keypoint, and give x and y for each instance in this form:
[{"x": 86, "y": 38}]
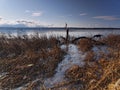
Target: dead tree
[
  {"x": 67, "y": 37},
  {"x": 97, "y": 36},
  {"x": 79, "y": 38},
  {"x": 76, "y": 39}
]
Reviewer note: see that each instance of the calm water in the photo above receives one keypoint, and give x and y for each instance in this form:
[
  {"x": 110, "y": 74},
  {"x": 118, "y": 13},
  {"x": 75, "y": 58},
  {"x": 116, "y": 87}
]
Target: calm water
[{"x": 57, "y": 32}]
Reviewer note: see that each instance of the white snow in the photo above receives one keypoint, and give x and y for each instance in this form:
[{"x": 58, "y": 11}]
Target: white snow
[
  {"x": 2, "y": 75},
  {"x": 99, "y": 50},
  {"x": 73, "y": 57},
  {"x": 73, "y": 32}
]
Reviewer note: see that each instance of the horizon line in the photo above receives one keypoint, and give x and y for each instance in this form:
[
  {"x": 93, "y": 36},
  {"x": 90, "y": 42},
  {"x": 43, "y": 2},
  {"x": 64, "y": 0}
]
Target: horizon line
[{"x": 68, "y": 27}]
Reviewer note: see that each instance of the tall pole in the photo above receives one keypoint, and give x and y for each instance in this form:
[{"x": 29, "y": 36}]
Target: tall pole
[
  {"x": 67, "y": 37},
  {"x": 65, "y": 25}
]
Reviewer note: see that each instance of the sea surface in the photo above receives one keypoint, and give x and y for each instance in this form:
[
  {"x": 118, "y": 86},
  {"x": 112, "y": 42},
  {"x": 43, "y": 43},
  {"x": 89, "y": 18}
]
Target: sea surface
[{"x": 57, "y": 31}]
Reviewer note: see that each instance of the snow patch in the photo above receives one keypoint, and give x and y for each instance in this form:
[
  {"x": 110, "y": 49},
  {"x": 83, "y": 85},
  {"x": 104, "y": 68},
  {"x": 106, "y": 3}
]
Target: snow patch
[
  {"x": 73, "y": 57},
  {"x": 2, "y": 75},
  {"x": 99, "y": 50}
]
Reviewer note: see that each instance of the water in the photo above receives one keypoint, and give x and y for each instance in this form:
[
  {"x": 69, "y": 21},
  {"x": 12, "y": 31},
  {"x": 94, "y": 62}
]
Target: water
[{"x": 56, "y": 31}]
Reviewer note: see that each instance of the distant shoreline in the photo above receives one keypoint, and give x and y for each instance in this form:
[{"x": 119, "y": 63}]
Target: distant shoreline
[{"x": 59, "y": 28}]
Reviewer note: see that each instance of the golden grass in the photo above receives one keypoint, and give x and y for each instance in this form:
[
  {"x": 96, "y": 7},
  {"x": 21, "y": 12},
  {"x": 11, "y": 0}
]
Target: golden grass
[
  {"x": 33, "y": 57},
  {"x": 103, "y": 74},
  {"x": 85, "y": 44},
  {"x": 39, "y": 57}
]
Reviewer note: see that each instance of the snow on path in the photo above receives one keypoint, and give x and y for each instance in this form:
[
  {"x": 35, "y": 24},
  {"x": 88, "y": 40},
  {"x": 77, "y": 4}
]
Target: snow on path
[
  {"x": 98, "y": 50},
  {"x": 2, "y": 75},
  {"x": 74, "y": 57}
]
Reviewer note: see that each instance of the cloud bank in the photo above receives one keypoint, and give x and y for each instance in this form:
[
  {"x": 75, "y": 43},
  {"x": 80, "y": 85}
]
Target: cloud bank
[
  {"x": 106, "y": 18},
  {"x": 37, "y": 14},
  {"x": 83, "y": 14},
  {"x": 22, "y": 23}
]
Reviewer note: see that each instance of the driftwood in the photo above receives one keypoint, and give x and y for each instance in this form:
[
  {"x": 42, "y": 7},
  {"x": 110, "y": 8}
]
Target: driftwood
[
  {"x": 97, "y": 36},
  {"x": 66, "y": 40},
  {"x": 78, "y": 38}
]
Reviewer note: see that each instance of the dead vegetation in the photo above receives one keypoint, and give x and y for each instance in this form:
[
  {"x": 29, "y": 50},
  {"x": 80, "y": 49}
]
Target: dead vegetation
[
  {"x": 25, "y": 59},
  {"x": 102, "y": 74},
  {"x": 85, "y": 44}
]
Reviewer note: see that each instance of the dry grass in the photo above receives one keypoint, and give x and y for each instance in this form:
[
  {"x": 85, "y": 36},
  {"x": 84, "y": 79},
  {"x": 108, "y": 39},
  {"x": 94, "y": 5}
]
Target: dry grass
[
  {"x": 85, "y": 44},
  {"x": 100, "y": 76},
  {"x": 26, "y": 59},
  {"x": 38, "y": 57},
  {"x": 90, "y": 56},
  {"x": 103, "y": 74},
  {"x": 112, "y": 40}
]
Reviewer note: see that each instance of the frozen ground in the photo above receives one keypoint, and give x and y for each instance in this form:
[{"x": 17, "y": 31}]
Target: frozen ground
[
  {"x": 99, "y": 51},
  {"x": 56, "y": 32},
  {"x": 73, "y": 57},
  {"x": 2, "y": 75}
]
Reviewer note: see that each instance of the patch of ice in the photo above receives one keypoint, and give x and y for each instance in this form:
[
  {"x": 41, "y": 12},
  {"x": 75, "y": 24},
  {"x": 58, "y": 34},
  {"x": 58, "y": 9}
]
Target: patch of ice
[
  {"x": 74, "y": 57},
  {"x": 3, "y": 75},
  {"x": 19, "y": 88},
  {"x": 100, "y": 49},
  {"x": 63, "y": 47}
]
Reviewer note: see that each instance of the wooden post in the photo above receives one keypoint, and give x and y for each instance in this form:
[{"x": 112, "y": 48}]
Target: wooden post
[
  {"x": 67, "y": 37},
  {"x": 66, "y": 33}
]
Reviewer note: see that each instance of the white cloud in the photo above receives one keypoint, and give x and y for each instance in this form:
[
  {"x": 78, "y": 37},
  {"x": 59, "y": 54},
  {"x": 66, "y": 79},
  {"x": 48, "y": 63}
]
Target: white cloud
[
  {"x": 27, "y": 11},
  {"x": 23, "y": 23},
  {"x": 3, "y": 21},
  {"x": 6, "y": 23},
  {"x": 36, "y": 14},
  {"x": 106, "y": 17},
  {"x": 34, "y": 23},
  {"x": 1, "y": 18},
  {"x": 83, "y": 14},
  {"x": 27, "y": 23}
]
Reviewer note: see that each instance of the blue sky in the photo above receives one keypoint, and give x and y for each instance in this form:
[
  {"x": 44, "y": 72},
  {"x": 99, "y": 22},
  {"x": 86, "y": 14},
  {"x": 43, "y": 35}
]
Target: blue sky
[{"x": 55, "y": 13}]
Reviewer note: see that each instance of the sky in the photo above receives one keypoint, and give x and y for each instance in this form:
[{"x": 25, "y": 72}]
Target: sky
[{"x": 55, "y": 13}]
